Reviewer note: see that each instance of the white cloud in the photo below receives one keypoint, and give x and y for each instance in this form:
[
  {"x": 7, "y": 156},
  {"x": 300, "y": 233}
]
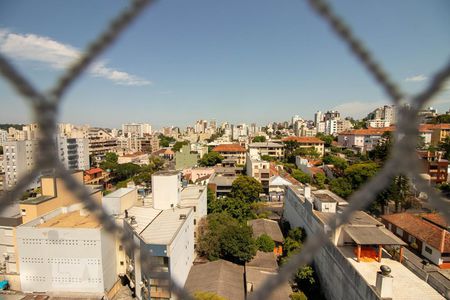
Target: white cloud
[
  {"x": 357, "y": 109},
  {"x": 416, "y": 78},
  {"x": 56, "y": 55}
]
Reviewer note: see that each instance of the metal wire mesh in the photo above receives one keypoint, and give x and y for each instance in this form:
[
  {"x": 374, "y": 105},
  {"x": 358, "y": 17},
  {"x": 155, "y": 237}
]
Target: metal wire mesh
[{"x": 402, "y": 159}]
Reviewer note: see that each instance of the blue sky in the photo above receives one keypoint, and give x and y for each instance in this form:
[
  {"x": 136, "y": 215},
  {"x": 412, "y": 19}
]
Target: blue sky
[{"x": 241, "y": 61}]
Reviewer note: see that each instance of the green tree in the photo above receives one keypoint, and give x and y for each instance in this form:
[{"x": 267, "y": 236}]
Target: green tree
[
  {"x": 246, "y": 188},
  {"x": 301, "y": 176},
  {"x": 445, "y": 146},
  {"x": 259, "y": 139},
  {"x": 178, "y": 145},
  {"x": 207, "y": 296},
  {"x": 235, "y": 207},
  {"x": 268, "y": 158},
  {"x": 211, "y": 198},
  {"x": 290, "y": 147},
  {"x": 110, "y": 161},
  {"x": 339, "y": 163},
  {"x": 126, "y": 171},
  {"x": 309, "y": 152},
  {"x": 210, "y": 159},
  {"x": 265, "y": 243},
  {"x": 359, "y": 174},
  {"x": 164, "y": 141},
  {"x": 155, "y": 163},
  {"x": 319, "y": 179},
  {"x": 328, "y": 139},
  {"x": 297, "y": 234},
  {"x": 341, "y": 187},
  {"x": 226, "y": 238},
  {"x": 382, "y": 149}
]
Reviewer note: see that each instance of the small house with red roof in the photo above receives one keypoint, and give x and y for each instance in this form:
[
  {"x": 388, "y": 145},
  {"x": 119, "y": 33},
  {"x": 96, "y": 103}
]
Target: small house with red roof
[{"x": 425, "y": 233}]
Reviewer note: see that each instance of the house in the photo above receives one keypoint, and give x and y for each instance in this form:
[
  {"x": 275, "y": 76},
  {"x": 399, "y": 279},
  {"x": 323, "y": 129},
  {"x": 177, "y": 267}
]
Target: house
[
  {"x": 270, "y": 228},
  {"x": 423, "y": 233},
  {"x": 362, "y": 139},
  {"x": 220, "y": 277},
  {"x": 221, "y": 184},
  {"x": 138, "y": 158},
  {"x": 262, "y": 267},
  {"x": 96, "y": 176},
  {"x": 165, "y": 153},
  {"x": 308, "y": 142},
  {"x": 235, "y": 151}
]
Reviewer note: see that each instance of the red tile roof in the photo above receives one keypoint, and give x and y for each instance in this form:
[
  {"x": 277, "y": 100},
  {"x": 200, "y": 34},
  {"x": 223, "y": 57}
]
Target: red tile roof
[
  {"x": 371, "y": 131},
  {"x": 304, "y": 139},
  {"x": 93, "y": 171},
  {"x": 437, "y": 219},
  {"x": 229, "y": 148},
  {"x": 425, "y": 231}
]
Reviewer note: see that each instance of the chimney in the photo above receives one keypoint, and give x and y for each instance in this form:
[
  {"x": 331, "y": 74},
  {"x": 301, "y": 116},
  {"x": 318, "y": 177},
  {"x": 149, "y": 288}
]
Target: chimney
[
  {"x": 133, "y": 222},
  {"x": 442, "y": 246},
  {"x": 307, "y": 191},
  {"x": 385, "y": 282}
]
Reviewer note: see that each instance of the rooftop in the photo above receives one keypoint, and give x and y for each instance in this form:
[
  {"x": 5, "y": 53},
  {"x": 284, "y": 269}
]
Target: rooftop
[
  {"x": 36, "y": 200},
  {"x": 324, "y": 197},
  {"x": 223, "y": 180},
  {"x": 163, "y": 228},
  {"x": 220, "y": 277},
  {"x": 93, "y": 171},
  {"x": 303, "y": 139},
  {"x": 371, "y": 131},
  {"x": 372, "y": 235},
  {"x": 256, "y": 277},
  {"x": 266, "y": 226},
  {"x": 74, "y": 219},
  {"x": 436, "y": 219},
  {"x": 119, "y": 193},
  {"x": 229, "y": 148},
  {"x": 166, "y": 173},
  {"x": 423, "y": 230},
  {"x": 143, "y": 216},
  {"x": 265, "y": 144},
  {"x": 263, "y": 260},
  {"x": 406, "y": 284}
]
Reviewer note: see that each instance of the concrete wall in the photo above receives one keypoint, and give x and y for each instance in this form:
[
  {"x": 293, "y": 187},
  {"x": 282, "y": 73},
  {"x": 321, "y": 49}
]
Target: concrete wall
[
  {"x": 117, "y": 205},
  {"x": 434, "y": 257},
  {"x": 63, "y": 260},
  {"x": 166, "y": 191},
  {"x": 109, "y": 266},
  {"x": 338, "y": 278},
  {"x": 181, "y": 251}
]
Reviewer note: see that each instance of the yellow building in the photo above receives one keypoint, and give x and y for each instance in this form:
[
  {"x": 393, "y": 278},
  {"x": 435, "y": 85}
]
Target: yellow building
[
  {"x": 54, "y": 195},
  {"x": 440, "y": 132}
]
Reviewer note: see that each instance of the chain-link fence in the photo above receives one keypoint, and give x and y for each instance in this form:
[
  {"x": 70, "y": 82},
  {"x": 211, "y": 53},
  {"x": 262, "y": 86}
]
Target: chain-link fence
[{"x": 402, "y": 160}]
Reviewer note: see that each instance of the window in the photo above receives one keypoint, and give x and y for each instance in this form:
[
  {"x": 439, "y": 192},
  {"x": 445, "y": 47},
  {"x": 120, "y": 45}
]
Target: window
[
  {"x": 195, "y": 221},
  {"x": 411, "y": 239},
  {"x": 428, "y": 250},
  {"x": 399, "y": 231},
  {"x": 24, "y": 212}
]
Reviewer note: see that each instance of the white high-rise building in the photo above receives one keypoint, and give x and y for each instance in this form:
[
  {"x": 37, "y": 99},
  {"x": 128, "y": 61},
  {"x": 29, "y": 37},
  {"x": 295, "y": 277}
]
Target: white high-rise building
[
  {"x": 18, "y": 160},
  {"x": 74, "y": 153},
  {"x": 139, "y": 129},
  {"x": 3, "y": 136},
  {"x": 318, "y": 117}
]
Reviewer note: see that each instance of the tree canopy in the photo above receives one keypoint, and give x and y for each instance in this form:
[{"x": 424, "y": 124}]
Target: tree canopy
[
  {"x": 178, "y": 145},
  {"x": 164, "y": 141},
  {"x": 210, "y": 159},
  {"x": 259, "y": 139},
  {"x": 339, "y": 163},
  {"x": 246, "y": 188},
  {"x": 226, "y": 238},
  {"x": 265, "y": 243},
  {"x": 235, "y": 207},
  {"x": 301, "y": 176},
  {"x": 328, "y": 139}
]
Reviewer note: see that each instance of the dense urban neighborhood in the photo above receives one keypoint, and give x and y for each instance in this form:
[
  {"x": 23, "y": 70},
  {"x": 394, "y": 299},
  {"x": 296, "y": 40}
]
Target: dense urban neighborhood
[{"x": 219, "y": 208}]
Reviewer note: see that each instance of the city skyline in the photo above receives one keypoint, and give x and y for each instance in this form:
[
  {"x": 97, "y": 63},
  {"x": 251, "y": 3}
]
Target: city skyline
[{"x": 241, "y": 62}]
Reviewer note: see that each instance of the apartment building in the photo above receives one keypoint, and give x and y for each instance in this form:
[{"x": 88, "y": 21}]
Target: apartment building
[
  {"x": 440, "y": 132},
  {"x": 232, "y": 151},
  {"x": 137, "y": 129},
  {"x": 362, "y": 139},
  {"x": 67, "y": 251},
  {"x": 73, "y": 153},
  {"x": 10, "y": 218},
  {"x": 101, "y": 142},
  {"x": 271, "y": 149},
  {"x": 138, "y": 158},
  {"x": 18, "y": 160},
  {"x": 185, "y": 158},
  {"x": 308, "y": 142},
  {"x": 3, "y": 136},
  {"x": 434, "y": 166},
  {"x": 258, "y": 169},
  {"x": 355, "y": 252}
]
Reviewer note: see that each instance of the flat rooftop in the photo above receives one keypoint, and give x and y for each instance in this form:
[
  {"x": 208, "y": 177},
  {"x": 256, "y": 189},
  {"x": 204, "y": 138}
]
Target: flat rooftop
[
  {"x": 324, "y": 197},
  {"x": 163, "y": 228},
  {"x": 36, "y": 200},
  {"x": 406, "y": 284},
  {"x": 166, "y": 173},
  {"x": 119, "y": 193},
  {"x": 73, "y": 219}
]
